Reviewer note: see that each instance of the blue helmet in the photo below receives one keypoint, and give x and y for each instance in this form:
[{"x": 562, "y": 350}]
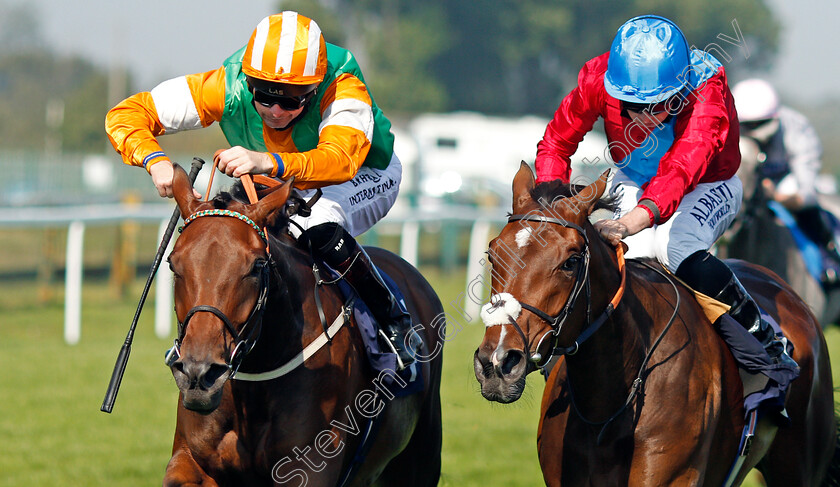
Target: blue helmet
[{"x": 649, "y": 60}]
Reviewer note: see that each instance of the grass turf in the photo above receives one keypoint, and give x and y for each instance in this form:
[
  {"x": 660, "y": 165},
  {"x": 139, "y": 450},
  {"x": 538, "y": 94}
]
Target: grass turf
[{"x": 54, "y": 434}]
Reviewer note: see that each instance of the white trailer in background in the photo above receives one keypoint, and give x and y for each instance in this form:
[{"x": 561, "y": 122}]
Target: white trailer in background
[{"x": 478, "y": 155}]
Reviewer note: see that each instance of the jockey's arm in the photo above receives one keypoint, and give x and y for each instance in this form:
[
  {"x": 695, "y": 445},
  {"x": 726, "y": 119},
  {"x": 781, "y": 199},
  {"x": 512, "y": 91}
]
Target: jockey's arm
[
  {"x": 344, "y": 141},
  {"x": 183, "y": 103}
]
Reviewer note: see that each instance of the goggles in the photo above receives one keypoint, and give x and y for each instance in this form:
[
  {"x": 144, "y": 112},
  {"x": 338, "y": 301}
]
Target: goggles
[
  {"x": 286, "y": 102},
  {"x": 754, "y": 124},
  {"x": 651, "y": 109}
]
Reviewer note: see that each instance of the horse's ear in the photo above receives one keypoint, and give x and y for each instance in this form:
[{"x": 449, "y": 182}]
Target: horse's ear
[
  {"x": 587, "y": 197},
  {"x": 266, "y": 211},
  {"x": 182, "y": 189},
  {"x": 523, "y": 183}
]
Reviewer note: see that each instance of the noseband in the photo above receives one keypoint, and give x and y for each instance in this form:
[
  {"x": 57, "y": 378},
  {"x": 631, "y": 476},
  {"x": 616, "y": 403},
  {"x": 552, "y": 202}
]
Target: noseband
[
  {"x": 581, "y": 283},
  {"x": 244, "y": 342}
]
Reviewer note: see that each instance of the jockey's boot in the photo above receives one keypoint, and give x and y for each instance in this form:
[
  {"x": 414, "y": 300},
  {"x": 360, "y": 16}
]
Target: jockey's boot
[
  {"x": 746, "y": 312},
  {"x": 705, "y": 273},
  {"x": 333, "y": 244}
]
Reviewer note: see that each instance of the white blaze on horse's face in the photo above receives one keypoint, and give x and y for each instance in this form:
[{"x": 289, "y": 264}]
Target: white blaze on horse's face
[
  {"x": 523, "y": 237},
  {"x": 502, "y": 309}
]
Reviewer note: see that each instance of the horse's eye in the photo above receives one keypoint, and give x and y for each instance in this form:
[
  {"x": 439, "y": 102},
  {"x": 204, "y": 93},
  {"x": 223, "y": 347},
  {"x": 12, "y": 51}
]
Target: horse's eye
[
  {"x": 172, "y": 268},
  {"x": 571, "y": 263},
  {"x": 257, "y": 268}
]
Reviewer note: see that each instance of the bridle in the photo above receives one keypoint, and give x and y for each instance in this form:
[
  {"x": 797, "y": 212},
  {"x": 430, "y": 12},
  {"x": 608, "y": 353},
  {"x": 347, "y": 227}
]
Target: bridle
[
  {"x": 245, "y": 342},
  {"x": 247, "y": 337},
  {"x": 557, "y": 321},
  {"x": 581, "y": 284}
]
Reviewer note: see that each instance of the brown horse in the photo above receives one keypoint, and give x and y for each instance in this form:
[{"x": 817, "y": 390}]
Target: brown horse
[
  {"x": 647, "y": 393},
  {"x": 246, "y": 311}
]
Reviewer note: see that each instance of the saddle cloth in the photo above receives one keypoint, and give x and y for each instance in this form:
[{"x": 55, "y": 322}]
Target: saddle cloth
[
  {"x": 765, "y": 383},
  {"x": 383, "y": 361}
]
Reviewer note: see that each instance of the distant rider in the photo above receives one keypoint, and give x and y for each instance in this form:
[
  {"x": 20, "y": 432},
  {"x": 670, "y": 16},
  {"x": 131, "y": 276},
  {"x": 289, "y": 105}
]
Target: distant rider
[{"x": 789, "y": 164}]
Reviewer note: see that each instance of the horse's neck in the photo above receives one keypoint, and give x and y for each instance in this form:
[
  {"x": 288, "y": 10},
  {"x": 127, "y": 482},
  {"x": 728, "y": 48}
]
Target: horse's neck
[
  {"x": 290, "y": 285},
  {"x": 602, "y": 371}
]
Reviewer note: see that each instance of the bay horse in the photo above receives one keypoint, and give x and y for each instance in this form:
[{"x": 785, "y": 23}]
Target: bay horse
[
  {"x": 247, "y": 307},
  {"x": 759, "y": 236},
  {"x": 647, "y": 393}
]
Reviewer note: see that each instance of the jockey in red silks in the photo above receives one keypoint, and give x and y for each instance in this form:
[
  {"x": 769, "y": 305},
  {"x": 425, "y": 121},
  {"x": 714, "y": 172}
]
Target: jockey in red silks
[
  {"x": 673, "y": 131},
  {"x": 290, "y": 105}
]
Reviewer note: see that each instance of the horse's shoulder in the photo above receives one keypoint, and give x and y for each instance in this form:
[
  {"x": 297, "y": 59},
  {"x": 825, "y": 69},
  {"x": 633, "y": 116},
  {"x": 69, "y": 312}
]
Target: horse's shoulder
[
  {"x": 645, "y": 273},
  {"x": 660, "y": 292}
]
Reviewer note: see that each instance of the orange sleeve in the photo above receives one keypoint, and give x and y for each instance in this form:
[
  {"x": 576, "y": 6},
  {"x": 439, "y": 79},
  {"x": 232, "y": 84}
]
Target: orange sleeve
[
  {"x": 132, "y": 126},
  {"x": 183, "y": 103},
  {"x": 344, "y": 140}
]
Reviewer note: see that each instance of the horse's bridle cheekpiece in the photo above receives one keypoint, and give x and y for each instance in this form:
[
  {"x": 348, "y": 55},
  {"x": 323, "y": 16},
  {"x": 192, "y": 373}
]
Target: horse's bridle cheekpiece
[
  {"x": 581, "y": 283},
  {"x": 557, "y": 321},
  {"x": 253, "y": 324}
]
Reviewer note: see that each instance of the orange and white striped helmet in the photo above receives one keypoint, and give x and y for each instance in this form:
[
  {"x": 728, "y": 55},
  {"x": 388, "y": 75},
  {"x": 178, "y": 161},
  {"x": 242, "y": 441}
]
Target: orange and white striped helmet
[{"x": 286, "y": 48}]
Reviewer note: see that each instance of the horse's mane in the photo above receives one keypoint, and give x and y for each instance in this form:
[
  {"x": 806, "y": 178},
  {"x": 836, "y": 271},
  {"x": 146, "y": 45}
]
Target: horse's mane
[
  {"x": 236, "y": 193},
  {"x": 548, "y": 192}
]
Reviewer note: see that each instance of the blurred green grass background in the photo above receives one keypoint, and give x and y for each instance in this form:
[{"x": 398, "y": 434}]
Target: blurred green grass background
[{"x": 52, "y": 432}]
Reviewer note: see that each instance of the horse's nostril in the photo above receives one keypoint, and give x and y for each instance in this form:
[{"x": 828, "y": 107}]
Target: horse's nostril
[
  {"x": 487, "y": 369},
  {"x": 510, "y": 361},
  {"x": 212, "y": 375},
  {"x": 179, "y": 367},
  {"x": 198, "y": 375},
  {"x": 483, "y": 364}
]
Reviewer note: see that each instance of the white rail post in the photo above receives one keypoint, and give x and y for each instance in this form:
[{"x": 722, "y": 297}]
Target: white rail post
[
  {"x": 409, "y": 241},
  {"x": 163, "y": 290},
  {"x": 73, "y": 282},
  {"x": 478, "y": 244}
]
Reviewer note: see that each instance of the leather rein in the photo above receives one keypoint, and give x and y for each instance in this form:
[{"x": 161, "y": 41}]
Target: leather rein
[
  {"x": 557, "y": 321},
  {"x": 244, "y": 342}
]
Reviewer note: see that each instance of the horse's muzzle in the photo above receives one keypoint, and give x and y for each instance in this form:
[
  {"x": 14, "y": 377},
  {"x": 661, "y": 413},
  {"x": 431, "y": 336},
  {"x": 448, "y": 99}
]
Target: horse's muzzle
[
  {"x": 201, "y": 383},
  {"x": 502, "y": 377}
]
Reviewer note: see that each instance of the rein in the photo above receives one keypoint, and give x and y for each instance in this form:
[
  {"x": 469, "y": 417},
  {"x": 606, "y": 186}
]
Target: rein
[
  {"x": 253, "y": 324},
  {"x": 638, "y": 382}
]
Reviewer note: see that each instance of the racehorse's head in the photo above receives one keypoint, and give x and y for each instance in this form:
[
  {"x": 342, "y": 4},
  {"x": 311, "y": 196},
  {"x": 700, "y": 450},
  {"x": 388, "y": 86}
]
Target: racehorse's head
[
  {"x": 220, "y": 263},
  {"x": 540, "y": 264}
]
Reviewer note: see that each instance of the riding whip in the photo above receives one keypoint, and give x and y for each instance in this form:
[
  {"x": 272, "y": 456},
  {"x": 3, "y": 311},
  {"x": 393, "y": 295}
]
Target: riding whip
[{"x": 122, "y": 358}]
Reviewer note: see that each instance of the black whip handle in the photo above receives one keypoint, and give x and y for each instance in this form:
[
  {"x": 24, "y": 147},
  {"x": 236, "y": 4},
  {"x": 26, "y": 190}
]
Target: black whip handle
[{"x": 125, "y": 351}]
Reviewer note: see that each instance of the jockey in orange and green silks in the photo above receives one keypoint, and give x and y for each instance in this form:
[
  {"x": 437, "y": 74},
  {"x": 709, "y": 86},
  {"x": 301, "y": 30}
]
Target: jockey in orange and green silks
[
  {"x": 290, "y": 105},
  {"x": 340, "y": 130}
]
